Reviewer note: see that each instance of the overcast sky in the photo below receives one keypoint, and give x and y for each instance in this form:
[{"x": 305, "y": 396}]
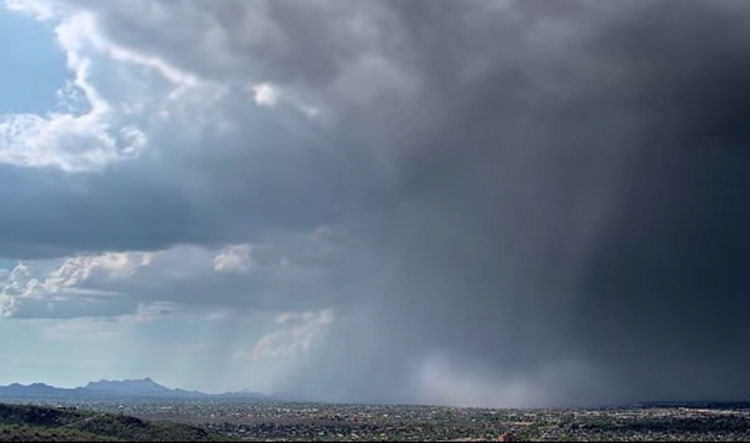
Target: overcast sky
[{"x": 475, "y": 203}]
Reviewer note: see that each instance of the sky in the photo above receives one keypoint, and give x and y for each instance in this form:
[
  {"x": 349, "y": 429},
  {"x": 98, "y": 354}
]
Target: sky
[{"x": 483, "y": 203}]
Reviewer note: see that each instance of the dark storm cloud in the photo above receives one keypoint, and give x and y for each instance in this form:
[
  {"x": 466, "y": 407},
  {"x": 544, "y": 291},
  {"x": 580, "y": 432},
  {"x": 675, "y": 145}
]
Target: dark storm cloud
[
  {"x": 581, "y": 198},
  {"x": 536, "y": 187},
  {"x": 664, "y": 289}
]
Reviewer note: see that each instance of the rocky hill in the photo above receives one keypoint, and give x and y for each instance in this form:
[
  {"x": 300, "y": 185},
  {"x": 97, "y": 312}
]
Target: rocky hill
[{"x": 35, "y": 423}]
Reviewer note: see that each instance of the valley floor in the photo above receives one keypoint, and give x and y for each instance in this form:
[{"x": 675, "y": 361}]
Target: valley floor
[{"x": 218, "y": 420}]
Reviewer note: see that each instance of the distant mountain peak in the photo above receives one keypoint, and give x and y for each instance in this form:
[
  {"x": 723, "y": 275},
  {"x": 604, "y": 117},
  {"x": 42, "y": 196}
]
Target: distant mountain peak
[
  {"x": 104, "y": 381},
  {"x": 138, "y": 387},
  {"x": 144, "y": 387}
]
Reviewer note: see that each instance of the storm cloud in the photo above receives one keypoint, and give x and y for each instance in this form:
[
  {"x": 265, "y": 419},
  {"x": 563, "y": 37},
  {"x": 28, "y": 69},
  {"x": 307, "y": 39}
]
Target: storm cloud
[{"x": 484, "y": 203}]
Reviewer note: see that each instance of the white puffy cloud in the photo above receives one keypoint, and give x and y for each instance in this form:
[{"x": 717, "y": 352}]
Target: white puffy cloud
[
  {"x": 7, "y": 305},
  {"x": 40, "y": 9},
  {"x": 20, "y": 283},
  {"x": 100, "y": 125},
  {"x": 113, "y": 264},
  {"x": 280, "y": 271},
  {"x": 298, "y": 334},
  {"x": 264, "y": 94},
  {"x": 70, "y": 141},
  {"x": 234, "y": 258}
]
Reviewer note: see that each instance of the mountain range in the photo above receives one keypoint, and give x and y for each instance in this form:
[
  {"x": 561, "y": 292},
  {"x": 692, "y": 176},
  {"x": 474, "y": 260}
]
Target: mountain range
[{"x": 143, "y": 388}]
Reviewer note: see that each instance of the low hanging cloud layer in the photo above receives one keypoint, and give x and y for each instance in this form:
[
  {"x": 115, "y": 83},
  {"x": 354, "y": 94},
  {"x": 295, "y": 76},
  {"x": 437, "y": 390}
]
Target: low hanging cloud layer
[{"x": 482, "y": 203}]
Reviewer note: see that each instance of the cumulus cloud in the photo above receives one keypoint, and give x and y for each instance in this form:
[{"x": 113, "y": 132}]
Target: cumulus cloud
[
  {"x": 264, "y": 94},
  {"x": 114, "y": 264},
  {"x": 21, "y": 284},
  {"x": 284, "y": 270},
  {"x": 235, "y": 258},
  {"x": 41, "y": 10},
  {"x": 71, "y": 142},
  {"x": 7, "y": 305},
  {"x": 299, "y": 333}
]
